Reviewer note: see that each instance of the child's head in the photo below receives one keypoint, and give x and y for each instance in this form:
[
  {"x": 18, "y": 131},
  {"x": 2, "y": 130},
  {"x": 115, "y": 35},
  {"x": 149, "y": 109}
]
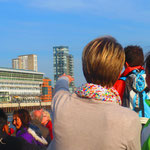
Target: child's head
[
  {"x": 134, "y": 56},
  {"x": 147, "y": 62},
  {"x": 102, "y": 61}
]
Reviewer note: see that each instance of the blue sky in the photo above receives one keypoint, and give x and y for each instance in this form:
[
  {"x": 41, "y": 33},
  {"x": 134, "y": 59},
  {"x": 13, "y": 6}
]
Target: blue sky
[{"x": 35, "y": 26}]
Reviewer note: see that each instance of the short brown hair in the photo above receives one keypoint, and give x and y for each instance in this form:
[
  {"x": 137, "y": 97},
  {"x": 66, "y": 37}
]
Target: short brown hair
[
  {"x": 134, "y": 55},
  {"x": 102, "y": 61}
]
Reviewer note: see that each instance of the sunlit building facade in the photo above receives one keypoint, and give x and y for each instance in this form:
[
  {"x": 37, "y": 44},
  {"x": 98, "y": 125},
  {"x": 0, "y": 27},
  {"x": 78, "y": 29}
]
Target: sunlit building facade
[
  {"x": 26, "y": 62},
  {"x": 46, "y": 90},
  {"x": 20, "y": 84}
]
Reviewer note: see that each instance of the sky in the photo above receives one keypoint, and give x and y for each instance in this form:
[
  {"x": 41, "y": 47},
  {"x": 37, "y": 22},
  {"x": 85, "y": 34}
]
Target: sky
[{"x": 36, "y": 26}]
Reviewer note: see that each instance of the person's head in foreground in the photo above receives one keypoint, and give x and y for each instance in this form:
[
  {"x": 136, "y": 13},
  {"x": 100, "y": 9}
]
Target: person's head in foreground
[
  {"x": 102, "y": 61},
  {"x": 3, "y": 122},
  {"x": 21, "y": 118},
  {"x": 134, "y": 56},
  {"x": 41, "y": 115},
  {"x": 147, "y": 63},
  {"x": 37, "y": 115}
]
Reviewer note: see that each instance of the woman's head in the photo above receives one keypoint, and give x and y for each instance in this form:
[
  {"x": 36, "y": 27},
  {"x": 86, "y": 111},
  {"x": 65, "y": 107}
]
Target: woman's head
[
  {"x": 102, "y": 61},
  {"x": 46, "y": 117},
  {"x": 21, "y": 118}
]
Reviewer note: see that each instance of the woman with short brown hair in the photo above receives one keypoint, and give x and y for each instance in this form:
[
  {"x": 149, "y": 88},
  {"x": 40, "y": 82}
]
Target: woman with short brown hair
[
  {"x": 102, "y": 61},
  {"x": 91, "y": 118}
]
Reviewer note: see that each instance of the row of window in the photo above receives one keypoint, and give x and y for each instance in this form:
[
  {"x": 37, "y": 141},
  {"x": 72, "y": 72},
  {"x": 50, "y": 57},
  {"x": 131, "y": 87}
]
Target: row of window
[
  {"x": 15, "y": 88},
  {"x": 21, "y": 75},
  {"x": 18, "y": 84},
  {"x": 24, "y": 79}
]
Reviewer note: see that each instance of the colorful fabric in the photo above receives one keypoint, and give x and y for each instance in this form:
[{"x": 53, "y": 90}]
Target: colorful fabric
[
  {"x": 98, "y": 92},
  {"x": 31, "y": 136},
  {"x": 49, "y": 126}
]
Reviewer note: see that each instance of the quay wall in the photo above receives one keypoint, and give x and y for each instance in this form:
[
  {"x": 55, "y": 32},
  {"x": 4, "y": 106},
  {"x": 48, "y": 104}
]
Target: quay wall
[{"x": 10, "y": 107}]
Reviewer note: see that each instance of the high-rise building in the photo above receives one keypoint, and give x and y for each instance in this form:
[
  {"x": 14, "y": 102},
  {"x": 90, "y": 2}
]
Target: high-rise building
[
  {"x": 25, "y": 62},
  {"x": 63, "y": 63}
]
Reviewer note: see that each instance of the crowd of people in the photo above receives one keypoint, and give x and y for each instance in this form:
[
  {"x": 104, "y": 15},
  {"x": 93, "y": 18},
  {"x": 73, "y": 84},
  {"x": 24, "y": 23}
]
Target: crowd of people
[{"x": 110, "y": 111}]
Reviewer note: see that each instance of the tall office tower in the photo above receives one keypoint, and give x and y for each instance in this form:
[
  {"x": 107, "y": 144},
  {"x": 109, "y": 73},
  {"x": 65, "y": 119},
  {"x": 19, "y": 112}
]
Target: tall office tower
[
  {"x": 70, "y": 69},
  {"x": 26, "y": 62},
  {"x": 62, "y": 63}
]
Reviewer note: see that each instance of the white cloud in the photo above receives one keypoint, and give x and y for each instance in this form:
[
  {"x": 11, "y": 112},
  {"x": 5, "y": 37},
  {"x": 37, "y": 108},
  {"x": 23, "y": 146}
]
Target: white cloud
[
  {"x": 58, "y": 5},
  {"x": 123, "y": 9}
]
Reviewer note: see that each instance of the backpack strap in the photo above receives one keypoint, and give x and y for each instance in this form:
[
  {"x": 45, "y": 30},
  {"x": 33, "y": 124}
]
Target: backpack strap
[
  {"x": 125, "y": 77},
  {"x": 141, "y": 106},
  {"x": 141, "y": 103}
]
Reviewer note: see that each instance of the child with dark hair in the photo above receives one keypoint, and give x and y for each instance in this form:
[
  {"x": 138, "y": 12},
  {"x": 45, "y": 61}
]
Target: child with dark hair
[{"x": 132, "y": 85}]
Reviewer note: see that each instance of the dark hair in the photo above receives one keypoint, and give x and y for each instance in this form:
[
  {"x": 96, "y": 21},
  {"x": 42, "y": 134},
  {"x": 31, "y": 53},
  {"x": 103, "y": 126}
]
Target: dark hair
[
  {"x": 24, "y": 116},
  {"x": 3, "y": 119},
  {"x": 102, "y": 61},
  {"x": 147, "y": 62},
  {"x": 134, "y": 55}
]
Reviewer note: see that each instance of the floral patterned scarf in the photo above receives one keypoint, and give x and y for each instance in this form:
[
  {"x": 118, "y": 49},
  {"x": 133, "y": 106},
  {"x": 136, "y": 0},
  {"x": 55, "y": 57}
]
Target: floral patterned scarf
[{"x": 98, "y": 92}]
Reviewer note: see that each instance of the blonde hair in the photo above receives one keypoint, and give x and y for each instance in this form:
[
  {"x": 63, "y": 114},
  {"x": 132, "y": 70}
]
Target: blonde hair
[
  {"x": 46, "y": 113},
  {"x": 102, "y": 61}
]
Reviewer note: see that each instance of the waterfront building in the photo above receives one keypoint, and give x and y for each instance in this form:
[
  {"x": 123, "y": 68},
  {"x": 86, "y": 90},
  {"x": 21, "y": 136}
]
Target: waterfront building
[
  {"x": 70, "y": 70},
  {"x": 20, "y": 85},
  {"x": 26, "y": 62},
  {"x": 63, "y": 63},
  {"x": 46, "y": 90},
  {"x": 15, "y": 63}
]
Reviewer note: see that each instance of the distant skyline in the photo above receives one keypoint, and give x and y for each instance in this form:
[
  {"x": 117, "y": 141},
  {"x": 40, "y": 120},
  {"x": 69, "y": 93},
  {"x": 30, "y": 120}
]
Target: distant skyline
[{"x": 36, "y": 26}]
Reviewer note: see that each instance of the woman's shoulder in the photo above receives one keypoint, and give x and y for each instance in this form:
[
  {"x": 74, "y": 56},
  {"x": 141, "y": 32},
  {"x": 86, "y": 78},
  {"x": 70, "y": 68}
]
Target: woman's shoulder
[
  {"x": 21, "y": 131},
  {"x": 127, "y": 115}
]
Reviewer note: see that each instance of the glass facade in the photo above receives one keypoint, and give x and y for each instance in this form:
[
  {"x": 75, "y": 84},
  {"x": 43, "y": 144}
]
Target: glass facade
[
  {"x": 44, "y": 91},
  {"x": 62, "y": 63},
  {"x": 4, "y": 97},
  {"x": 60, "y": 54},
  {"x": 20, "y": 76}
]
